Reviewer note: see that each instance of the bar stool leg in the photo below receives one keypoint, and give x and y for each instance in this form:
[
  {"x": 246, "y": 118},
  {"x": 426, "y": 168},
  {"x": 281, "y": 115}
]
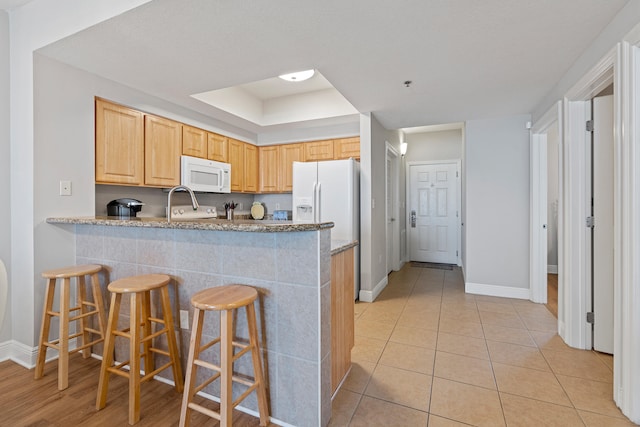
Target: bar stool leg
[
  {"x": 81, "y": 297},
  {"x": 149, "y": 362},
  {"x": 97, "y": 300},
  {"x": 63, "y": 342},
  {"x": 192, "y": 368},
  {"x": 226, "y": 366},
  {"x": 134, "y": 360},
  {"x": 171, "y": 339},
  {"x": 44, "y": 329},
  {"x": 263, "y": 407},
  {"x": 109, "y": 345}
]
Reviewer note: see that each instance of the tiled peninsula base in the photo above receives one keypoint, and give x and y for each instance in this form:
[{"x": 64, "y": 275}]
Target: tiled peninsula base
[{"x": 291, "y": 271}]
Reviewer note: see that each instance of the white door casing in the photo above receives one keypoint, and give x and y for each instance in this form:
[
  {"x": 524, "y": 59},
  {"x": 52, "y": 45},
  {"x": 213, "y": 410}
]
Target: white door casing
[
  {"x": 539, "y": 220},
  {"x": 392, "y": 208},
  {"x": 389, "y": 214},
  {"x": 433, "y": 212},
  {"x": 603, "y": 190}
]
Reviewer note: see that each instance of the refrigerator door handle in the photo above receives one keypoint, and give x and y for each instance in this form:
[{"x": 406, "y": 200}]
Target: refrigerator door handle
[
  {"x": 315, "y": 200},
  {"x": 319, "y": 198}
]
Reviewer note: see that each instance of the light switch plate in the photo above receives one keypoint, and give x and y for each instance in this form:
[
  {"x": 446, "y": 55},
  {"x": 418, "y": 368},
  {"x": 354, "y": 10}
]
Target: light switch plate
[
  {"x": 65, "y": 188},
  {"x": 184, "y": 319}
]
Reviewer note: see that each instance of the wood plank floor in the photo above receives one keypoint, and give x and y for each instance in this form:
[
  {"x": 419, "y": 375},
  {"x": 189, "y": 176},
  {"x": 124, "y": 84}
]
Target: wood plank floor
[
  {"x": 552, "y": 294},
  {"x": 38, "y": 403}
]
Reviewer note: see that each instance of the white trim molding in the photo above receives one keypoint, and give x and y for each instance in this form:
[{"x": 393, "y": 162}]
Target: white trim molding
[
  {"x": 496, "y": 290},
  {"x": 574, "y": 257},
  {"x": 626, "y": 372},
  {"x": 538, "y": 201},
  {"x": 21, "y": 354},
  {"x": 370, "y": 296}
]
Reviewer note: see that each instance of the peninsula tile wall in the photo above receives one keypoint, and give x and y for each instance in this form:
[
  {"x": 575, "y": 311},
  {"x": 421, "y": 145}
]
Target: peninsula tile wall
[{"x": 291, "y": 272}]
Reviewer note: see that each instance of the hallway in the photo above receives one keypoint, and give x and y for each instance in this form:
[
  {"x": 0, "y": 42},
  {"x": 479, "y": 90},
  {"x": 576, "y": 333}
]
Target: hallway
[{"x": 426, "y": 353}]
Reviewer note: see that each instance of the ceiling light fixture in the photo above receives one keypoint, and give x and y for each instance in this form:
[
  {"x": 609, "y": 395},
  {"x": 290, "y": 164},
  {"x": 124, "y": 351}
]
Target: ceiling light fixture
[{"x": 299, "y": 76}]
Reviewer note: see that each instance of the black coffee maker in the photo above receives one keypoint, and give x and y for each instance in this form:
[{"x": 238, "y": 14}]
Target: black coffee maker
[{"x": 127, "y": 208}]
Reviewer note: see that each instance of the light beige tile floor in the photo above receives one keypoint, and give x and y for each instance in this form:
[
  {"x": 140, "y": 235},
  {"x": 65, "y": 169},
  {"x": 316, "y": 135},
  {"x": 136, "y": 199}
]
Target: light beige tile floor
[{"x": 427, "y": 354}]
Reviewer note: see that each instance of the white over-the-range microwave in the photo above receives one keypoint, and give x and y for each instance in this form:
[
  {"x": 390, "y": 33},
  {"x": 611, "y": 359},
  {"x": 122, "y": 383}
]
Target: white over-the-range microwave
[{"x": 205, "y": 175}]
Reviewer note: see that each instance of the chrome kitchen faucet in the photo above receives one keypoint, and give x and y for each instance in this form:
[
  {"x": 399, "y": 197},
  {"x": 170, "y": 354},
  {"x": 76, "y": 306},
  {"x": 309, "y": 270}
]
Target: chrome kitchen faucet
[{"x": 194, "y": 202}]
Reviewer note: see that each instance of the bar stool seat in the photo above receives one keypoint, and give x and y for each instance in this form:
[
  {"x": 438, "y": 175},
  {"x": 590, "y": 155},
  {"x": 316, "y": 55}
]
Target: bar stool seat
[
  {"x": 85, "y": 308},
  {"x": 224, "y": 299},
  {"x": 139, "y": 333}
]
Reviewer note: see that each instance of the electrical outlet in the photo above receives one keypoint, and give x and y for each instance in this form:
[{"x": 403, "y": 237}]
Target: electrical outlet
[
  {"x": 239, "y": 207},
  {"x": 65, "y": 188},
  {"x": 277, "y": 206},
  {"x": 184, "y": 319},
  {"x": 373, "y": 203}
]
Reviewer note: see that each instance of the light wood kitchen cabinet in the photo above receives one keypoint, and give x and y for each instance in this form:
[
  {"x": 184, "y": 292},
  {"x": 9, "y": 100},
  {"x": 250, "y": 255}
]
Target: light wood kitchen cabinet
[
  {"x": 251, "y": 166},
  {"x": 342, "y": 315},
  {"x": 194, "y": 142},
  {"x": 217, "y": 147},
  {"x": 345, "y": 148},
  {"x": 119, "y": 144},
  {"x": 318, "y": 150},
  {"x": 162, "y": 148},
  {"x": 236, "y": 159},
  {"x": 288, "y": 153},
  {"x": 268, "y": 161}
]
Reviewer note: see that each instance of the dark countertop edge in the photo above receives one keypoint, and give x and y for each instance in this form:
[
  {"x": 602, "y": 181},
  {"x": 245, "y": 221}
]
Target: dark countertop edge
[
  {"x": 253, "y": 226},
  {"x": 338, "y": 246}
]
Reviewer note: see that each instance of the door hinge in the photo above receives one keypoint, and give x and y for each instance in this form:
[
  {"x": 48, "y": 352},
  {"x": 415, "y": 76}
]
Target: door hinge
[
  {"x": 589, "y": 125},
  {"x": 590, "y": 317},
  {"x": 456, "y": 174},
  {"x": 456, "y": 214},
  {"x": 456, "y": 253},
  {"x": 591, "y": 222}
]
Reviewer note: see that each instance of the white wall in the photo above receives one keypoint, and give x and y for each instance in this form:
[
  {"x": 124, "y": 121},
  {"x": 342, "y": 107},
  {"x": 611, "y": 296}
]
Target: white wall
[
  {"x": 552, "y": 198},
  {"x": 444, "y": 145},
  {"x": 373, "y": 240},
  {"x": 33, "y": 26},
  {"x": 5, "y": 214},
  {"x": 497, "y": 206}
]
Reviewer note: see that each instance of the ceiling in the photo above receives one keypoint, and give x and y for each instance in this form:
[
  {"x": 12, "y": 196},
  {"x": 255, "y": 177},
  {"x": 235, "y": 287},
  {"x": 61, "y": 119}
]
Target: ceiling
[
  {"x": 12, "y": 4},
  {"x": 467, "y": 59}
]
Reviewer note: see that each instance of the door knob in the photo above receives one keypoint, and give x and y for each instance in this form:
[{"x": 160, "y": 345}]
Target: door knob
[{"x": 413, "y": 219}]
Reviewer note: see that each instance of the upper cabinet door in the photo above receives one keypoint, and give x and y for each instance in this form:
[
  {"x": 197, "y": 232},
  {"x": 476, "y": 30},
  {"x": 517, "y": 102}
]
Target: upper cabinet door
[
  {"x": 268, "y": 169},
  {"x": 236, "y": 158},
  {"x": 318, "y": 150},
  {"x": 345, "y": 148},
  {"x": 119, "y": 144},
  {"x": 194, "y": 142},
  {"x": 288, "y": 154},
  {"x": 218, "y": 147},
  {"x": 163, "y": 145},
  {"x": 251, "y": 163}
]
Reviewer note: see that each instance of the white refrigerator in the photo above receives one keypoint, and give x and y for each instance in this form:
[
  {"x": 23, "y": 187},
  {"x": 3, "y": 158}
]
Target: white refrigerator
[{"x": 330, "y": 191}]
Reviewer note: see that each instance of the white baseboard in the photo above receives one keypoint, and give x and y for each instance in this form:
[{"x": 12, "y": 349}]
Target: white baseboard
[
  {"x": 553, "y": 269},
  {"x": 19, "y": 353},
  {"x": 370, "y": 296},
  {"x": 496, "y": 291}
]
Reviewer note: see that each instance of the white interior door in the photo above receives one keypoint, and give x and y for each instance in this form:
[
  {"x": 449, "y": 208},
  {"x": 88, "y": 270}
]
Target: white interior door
[
  {"x": 603, "y": 224},
  {"x": 432, "y": 213}
]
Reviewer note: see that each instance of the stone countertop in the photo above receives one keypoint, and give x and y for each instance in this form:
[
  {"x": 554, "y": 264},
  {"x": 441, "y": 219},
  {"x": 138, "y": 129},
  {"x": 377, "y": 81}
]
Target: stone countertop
[
  {"x": 246, "y": 225},
  {"x": 338, "y": 246}
]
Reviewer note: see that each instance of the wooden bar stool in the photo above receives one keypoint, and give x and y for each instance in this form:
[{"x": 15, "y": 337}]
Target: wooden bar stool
[
  {"x": 85, "y": 308},
  {"x": 139, "y": 333},
  {"x": 224, "y": 299}
]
